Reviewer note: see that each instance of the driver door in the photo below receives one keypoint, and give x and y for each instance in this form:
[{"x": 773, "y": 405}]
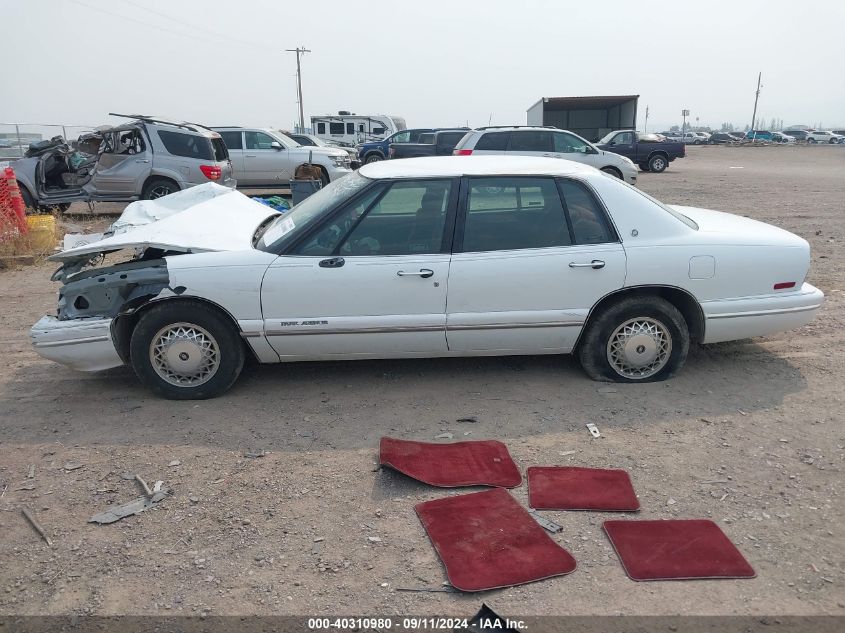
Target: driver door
[
  {"x": 266, "y": 160},
  {"x": 371, "y": 282}
]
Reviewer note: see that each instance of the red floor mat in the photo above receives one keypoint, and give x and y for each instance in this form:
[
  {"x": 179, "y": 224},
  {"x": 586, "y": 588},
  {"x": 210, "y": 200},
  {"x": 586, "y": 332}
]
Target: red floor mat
[
  {"x": 573, "y": 488},
  {"x": 676, "y": 550},
  {"x": 487, "y": 540},
  {"x": 483, "y": 463}
]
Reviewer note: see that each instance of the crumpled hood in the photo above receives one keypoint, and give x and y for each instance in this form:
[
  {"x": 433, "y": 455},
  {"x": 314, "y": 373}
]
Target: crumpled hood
[{"x": 208, "y": 217}]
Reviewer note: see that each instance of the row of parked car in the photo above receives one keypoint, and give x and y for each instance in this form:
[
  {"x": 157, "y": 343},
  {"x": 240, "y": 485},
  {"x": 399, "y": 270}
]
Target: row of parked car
[{"x": 784, "y": 136}]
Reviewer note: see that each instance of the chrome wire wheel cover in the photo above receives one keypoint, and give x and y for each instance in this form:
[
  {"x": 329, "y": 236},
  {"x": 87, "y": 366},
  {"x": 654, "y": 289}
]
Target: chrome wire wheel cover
[
  {"x": 639, "y": 348},
  {"x": 184, "y": 354}
]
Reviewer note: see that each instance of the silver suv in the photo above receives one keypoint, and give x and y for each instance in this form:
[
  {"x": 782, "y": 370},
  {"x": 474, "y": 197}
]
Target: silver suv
[
  {"x": 144, "y": 159},
  {"x": 544, "y": 141},
  {"x": 263, "y": 157}
]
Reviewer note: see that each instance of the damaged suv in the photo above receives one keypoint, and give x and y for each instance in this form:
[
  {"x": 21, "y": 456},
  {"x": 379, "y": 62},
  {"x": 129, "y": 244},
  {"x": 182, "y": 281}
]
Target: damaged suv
[{"x": 141, "y": 160}]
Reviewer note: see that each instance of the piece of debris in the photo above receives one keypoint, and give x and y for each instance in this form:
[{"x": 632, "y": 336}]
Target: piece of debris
[
  {"x": 593, "y": 429},
  {"x": 121, "y": 510},
  {"x": 35, "y": 524},
  {"x": 31, "y": 472},
  {"x": 26, "y": 486},
  {"x": 193, "y": 499},
  {"x": 374, "y": 539},
  {"x": 144, "y": 486},
  {"x": 546, "y": 524},
  {"x": 470, "y": 418},
  {"x": 444, "y": 436},
  {"x": 741, "y": 412},
  {"x": 72, "y": 465},
  {"x": 488, "y": 620},
  {"x": 447, "y": 589},
  {"x": 714, "y": 481},
  {"x": 128, "y": 476},
  {"x": 565, "y": 453},
  {"x": 175, "y": 462},
  {"x": 607, "y": 390},
  {"x": 157, "y": 486},
  {"x": 671, "y": 502},
  {"x": 255, "y": 454}
]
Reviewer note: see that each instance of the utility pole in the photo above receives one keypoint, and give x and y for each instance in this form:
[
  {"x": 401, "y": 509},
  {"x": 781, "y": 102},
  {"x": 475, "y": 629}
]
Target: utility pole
[
  {"x": 756, "y": 97},
  {"x": 299, "y": 51},
  {"x": 645, "y": 127}
]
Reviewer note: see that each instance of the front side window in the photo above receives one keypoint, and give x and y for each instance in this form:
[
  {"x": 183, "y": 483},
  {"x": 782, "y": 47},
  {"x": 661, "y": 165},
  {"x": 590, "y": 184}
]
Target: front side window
[
  {"x": 401, "y": 137},
  {"x": 233, "y": 140},
  {"x": 588, "y": 222},
  {"x": 568, "y": 143},
  {"x": 514, "y": 213},
  {"x": 258, "y": 140},
  {"x": 625, "y": 138},
  {"x": 408, "y": 219},
  {"x": 531, "y": 141}
]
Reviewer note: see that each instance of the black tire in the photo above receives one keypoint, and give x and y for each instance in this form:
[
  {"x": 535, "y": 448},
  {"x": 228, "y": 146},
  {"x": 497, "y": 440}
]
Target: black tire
[
  {"x": 158, "y": 188},
  {"x": 643, "y": 166},
  {"x": 696, "y": 142},
  {"x": 373, "y": 158},
  {"x": 652, "y": 312},
  {"x": 324, "y": 176},
  {"x": 658, "y": 163},
  {"x": 28, "y": 201},
  {"x": 217, "y": 333},
  {"x": 612, "y": 171}
]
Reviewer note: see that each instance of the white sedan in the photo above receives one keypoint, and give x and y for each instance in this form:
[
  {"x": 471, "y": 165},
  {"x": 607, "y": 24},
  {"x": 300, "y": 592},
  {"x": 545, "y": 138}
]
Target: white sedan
[{"x": 452, "y": 256}]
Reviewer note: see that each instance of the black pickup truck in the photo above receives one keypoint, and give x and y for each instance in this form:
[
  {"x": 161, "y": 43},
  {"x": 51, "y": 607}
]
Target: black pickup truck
[
  {"x": 652, "y": 152},
  {"x": 436, "y": 143}
]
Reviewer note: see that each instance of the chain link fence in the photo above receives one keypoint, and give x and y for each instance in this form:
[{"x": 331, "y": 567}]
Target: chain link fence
[{"x": 16, "y": 137}]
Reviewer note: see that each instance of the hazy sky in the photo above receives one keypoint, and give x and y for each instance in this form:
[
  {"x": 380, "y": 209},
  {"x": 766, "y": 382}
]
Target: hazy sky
[{"x": 222, "y": 62}]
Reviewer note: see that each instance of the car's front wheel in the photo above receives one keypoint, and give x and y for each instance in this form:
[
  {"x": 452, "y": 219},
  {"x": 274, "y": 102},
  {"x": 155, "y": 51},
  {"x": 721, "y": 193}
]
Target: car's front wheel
[
  {"x": 373, "y": 158},
  {"x": 186, "y": 350},
  {"x": 612, "y": 171},
  {"x": 638, "y": 339}
]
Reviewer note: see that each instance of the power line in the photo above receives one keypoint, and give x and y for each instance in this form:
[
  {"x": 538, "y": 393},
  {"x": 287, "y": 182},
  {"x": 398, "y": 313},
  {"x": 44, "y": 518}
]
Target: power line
[
  {"x": 158, "y": 27},
  {"x": 227, "y": 38}
]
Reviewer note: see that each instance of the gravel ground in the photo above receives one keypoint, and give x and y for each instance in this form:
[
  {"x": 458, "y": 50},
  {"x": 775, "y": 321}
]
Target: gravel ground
[{"x": 749, "y": 434}]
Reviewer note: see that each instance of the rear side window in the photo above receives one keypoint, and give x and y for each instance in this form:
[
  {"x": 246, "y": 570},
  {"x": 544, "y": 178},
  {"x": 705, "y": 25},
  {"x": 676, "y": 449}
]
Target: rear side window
[
  {"x": 493, "y": 141},
  {"x": 233, "y": 140},
  {"x": 186, "y": 145},
  {"x": 449, "y": 138},
  {"x": 514, "y": 213},
  {"x": 219, "y": 148},
  {"x": 427, "y": 137},
  {"x": 589, "y": 225},
  {"x": 530, "y": 141}
]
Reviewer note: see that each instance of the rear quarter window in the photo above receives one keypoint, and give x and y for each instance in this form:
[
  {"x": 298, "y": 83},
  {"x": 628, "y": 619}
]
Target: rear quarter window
[
  {"x": 186, "y": 145},
  {"x": 220, "y": 151},
  {"x": 493, "y": 141}
]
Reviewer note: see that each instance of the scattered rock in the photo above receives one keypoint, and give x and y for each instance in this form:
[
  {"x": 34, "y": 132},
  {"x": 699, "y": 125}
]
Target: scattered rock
[
  {"x": 175, "y": 462},
  {"x": 73, "y": 465},
  {"x": 444, "y": 436}
]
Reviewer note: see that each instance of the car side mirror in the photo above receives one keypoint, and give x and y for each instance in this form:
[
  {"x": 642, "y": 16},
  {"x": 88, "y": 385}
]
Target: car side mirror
[
  {"x": 590, "y": 150},
  {"x": 276, "y": 145}
]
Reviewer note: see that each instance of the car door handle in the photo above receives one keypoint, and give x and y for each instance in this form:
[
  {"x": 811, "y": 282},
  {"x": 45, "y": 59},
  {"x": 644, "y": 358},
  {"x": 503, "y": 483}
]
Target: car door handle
[
  {"x": 595, "y": 264},
  {"x": 424, "y": 273},
  {"x": 142, "y": 160},
  {"x": 333, "y": 262},
  {"x": 251, "y": 155}
]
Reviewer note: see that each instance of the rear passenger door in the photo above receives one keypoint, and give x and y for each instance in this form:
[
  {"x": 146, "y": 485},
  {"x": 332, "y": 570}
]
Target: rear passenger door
[
  {"x": 235, "y": 144},
  {"x": 532, "y": 256}
]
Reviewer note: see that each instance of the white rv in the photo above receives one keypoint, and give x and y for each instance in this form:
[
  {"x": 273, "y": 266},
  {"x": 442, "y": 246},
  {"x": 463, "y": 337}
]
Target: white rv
[{"x": 347, "y": 127}]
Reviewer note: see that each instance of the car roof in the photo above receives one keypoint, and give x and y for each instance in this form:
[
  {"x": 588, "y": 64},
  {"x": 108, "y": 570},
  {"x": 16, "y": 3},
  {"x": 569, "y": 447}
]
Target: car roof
[{"x": 455, "y": 166}]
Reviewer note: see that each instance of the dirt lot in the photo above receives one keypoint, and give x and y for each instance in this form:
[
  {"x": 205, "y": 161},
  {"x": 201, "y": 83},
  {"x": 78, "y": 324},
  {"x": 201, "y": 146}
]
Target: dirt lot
[{"x": 288, "y": 533}]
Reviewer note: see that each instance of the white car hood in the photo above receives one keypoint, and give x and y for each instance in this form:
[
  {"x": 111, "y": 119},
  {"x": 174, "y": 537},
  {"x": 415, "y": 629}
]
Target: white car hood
[
  {"x": 204, "y": 218},
  {"x": 304, "y": 150}
]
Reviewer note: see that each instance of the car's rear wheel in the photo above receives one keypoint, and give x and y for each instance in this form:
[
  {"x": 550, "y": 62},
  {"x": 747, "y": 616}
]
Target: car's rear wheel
[
  {"x": 638, "y": 339},
  {"x": 186, "y": 351},
  {"x": 158, "y": 188},
  {"x": 373, "y": 158},
  {"x": 657, "y": 163},
  {"x": 612, "y": 171}
]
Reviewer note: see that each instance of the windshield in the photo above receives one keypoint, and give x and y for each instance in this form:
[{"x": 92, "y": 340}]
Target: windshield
[{"x": 289, "y": 225}]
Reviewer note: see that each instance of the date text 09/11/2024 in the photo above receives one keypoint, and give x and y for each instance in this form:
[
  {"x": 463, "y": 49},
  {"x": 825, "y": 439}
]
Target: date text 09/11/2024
[{"x": 416, "y": 623}]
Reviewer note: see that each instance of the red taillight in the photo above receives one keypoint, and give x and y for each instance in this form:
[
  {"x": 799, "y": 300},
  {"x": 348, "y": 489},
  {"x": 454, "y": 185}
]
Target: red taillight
[
  {"x": 784, "y": 284},
  {"x": 462, "y": 152},
  {"x": 212, "y": 172}
]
